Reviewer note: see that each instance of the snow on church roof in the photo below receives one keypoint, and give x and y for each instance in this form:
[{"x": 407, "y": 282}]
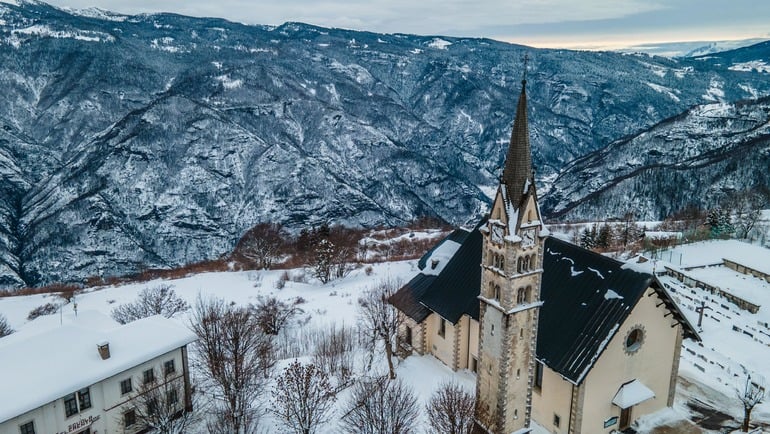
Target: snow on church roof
[{"x": 43, "y": 366}]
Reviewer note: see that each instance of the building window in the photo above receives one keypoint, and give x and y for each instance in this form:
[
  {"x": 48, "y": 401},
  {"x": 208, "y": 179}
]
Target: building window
[
  {"x": 538, "y": 375},
  {"x": 634, "y": 339},
  {"x": 474, "y": 364},
  {"x": 171, "y": 397},
  {"x": 168, "y": 367},
  {"x": 497, "y": 292},
  {"x": 442, "y": 327},
  {"x": 518, "y": 265},
  {"x": 70, "y": 405},
  {"x": 408, "y": 336},
  {"x": 149, "y": 376},
  {"x": 492, "y": 330},
  {"x": 520, "y": 296},
  {"x": 84, "y": 397},
  {"x": 556, "y": 420},
  {"x": 27, "y": 428},
  {"x": 129, "y": 418},
  {"x": 125, "y": 386}
]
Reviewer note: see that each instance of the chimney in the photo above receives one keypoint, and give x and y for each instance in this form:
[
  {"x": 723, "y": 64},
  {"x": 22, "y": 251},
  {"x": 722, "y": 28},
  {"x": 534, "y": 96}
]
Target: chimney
[{"x": 104, "y": 349}]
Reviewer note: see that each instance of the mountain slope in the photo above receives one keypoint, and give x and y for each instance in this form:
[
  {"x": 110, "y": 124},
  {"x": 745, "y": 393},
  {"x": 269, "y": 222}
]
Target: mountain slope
[
  {"x": 157, "y": 140},
  {"x": 696, "y": 159}
]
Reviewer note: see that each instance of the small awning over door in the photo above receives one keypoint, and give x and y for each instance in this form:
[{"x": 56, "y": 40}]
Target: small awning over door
[{"x": 632, "y": 393}]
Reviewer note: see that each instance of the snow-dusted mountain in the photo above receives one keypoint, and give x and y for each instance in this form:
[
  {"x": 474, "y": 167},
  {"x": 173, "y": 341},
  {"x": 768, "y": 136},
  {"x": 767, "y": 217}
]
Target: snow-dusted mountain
[
  {"x": 155, "y": 140},
  {"x": 695, "y": 159}
]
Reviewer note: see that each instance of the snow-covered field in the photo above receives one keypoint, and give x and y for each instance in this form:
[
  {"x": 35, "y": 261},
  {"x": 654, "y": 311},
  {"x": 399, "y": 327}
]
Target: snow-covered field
[{"x": 332, "y": 303}]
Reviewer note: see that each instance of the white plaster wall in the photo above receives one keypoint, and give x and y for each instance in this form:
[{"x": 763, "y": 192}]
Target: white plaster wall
[
  {"x": 553, "y": 398},
  {"x": 651, "y": 364}
]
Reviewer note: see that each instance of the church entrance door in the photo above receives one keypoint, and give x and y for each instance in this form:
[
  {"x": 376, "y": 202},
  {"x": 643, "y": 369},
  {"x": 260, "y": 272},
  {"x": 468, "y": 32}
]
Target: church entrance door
[{"x": 625, "y": 418}]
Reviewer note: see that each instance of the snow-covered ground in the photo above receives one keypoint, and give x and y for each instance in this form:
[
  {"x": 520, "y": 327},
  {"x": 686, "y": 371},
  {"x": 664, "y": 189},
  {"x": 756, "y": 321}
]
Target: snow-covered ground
[
  {"x": 733, "y": 340},
  {"x": 333, "y": 303}
]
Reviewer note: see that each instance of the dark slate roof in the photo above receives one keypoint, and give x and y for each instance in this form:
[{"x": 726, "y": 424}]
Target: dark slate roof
[
  {"x": 459, "y": 283},
  {"x": 454, "y": 291},
  {"x": 583, "y": 308},
  {"x": 407, "y": 299},
  {"x": 581, "y": 292},
  {"x": 457, "y": 235}
]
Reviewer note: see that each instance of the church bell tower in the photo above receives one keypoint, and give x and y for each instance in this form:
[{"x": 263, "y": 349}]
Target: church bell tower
[{"x": 511, "y": 273}]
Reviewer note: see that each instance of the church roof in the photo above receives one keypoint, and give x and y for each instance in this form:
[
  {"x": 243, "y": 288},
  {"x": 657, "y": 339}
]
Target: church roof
[
  {"x": 586, "y": 297},
  {"x": 458, "y": 279},
  {"x": 517, "y": 178}
]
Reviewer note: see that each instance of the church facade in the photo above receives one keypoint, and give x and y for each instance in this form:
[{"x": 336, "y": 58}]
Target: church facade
[{"x": 569, "y": 338}]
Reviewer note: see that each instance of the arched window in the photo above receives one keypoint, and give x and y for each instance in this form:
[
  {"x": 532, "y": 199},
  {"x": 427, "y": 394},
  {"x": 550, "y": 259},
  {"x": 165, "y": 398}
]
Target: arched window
[
  {"x": 528, "y": 294},
  {"x": 520, "y": 296},
  {"x": 533, "y": 261},
  {"x": 525, "y": 266},
  {"x": 518, "y": 264},
  {"x": 502, "y": 262},
  {"x": 497, "y": 292}
]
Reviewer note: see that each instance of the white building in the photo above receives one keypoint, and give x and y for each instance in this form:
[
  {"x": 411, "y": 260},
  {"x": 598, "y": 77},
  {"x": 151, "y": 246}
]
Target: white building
[{"x": 88, "y": 376}]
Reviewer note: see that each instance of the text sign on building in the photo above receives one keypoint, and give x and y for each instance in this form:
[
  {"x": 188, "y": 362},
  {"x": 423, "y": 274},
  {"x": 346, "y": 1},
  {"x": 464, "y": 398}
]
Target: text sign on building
[
  {"x": 611, "y": 421},
  {"x": 80, "y": 424}
]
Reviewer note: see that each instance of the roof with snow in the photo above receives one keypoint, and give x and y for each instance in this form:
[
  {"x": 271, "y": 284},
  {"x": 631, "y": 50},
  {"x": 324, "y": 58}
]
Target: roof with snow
[
  {"x": 586, "y": 297},
  {"x": 458, "y": 277},
  {"x": 47, "y": 365}
]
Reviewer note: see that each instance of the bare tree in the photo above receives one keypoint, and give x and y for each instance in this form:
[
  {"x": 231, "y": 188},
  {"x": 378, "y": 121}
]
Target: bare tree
[
  {"x": 303, "y": 398},
  {"x": 5, "y": 328},
  {"x": 230, "y": 356},
  {"x": 379, "y": 320},
  {"x": 163, "y": 405},
  {"x": 450, "y": 410},
  {"x": 272, "y": 314},
  {"x": 747, "y": 209},
  {"x": 262, "y": 244},
  {"x": 380, "y": 406},
  {"x": 158, "y": 300},
  {"x": 749, "y": 394}
]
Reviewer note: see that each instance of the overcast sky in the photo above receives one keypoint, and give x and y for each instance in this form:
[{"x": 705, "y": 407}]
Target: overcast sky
[{"x": 543, "y": 23}]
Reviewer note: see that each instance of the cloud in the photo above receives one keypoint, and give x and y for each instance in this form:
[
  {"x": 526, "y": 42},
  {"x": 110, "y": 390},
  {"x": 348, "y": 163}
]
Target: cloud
[
  {"x": 405, "y": 16},
  {"x": 522, "y": 21}
]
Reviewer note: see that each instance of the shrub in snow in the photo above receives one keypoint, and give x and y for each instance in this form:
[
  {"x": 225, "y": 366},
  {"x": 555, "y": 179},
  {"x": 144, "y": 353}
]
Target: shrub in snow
[
  {"x": 5, "y": 328},
  {"x": 46, "y": 309},
  {"x": 272, "y": 314},
  {"x": 158, "y": 300},
  {"x": 334, "y": 352},
  {"x": 303, "y": 398},
  {"x": 450, "y": 410}
]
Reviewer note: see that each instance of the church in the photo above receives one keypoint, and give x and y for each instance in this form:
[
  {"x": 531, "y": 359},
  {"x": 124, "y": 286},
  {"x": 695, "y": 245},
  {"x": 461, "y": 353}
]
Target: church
[{"x": 570, "y": 339}]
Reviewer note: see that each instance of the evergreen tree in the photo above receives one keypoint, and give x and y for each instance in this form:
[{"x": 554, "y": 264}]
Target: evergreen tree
[
  {"x": 587, "y": 239},
  {"x": 604, "y": 237}
]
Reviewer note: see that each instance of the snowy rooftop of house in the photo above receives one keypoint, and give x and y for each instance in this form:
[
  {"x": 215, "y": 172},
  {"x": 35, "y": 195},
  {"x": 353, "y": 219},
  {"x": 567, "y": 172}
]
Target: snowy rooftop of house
[
  {"x": 40, "y": 366},
  {"x": 715, "y": 251}
]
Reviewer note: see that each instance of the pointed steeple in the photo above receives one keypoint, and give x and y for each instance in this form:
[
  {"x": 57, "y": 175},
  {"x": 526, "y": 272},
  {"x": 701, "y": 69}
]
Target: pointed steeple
[{"x": 517, "y": 173}]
